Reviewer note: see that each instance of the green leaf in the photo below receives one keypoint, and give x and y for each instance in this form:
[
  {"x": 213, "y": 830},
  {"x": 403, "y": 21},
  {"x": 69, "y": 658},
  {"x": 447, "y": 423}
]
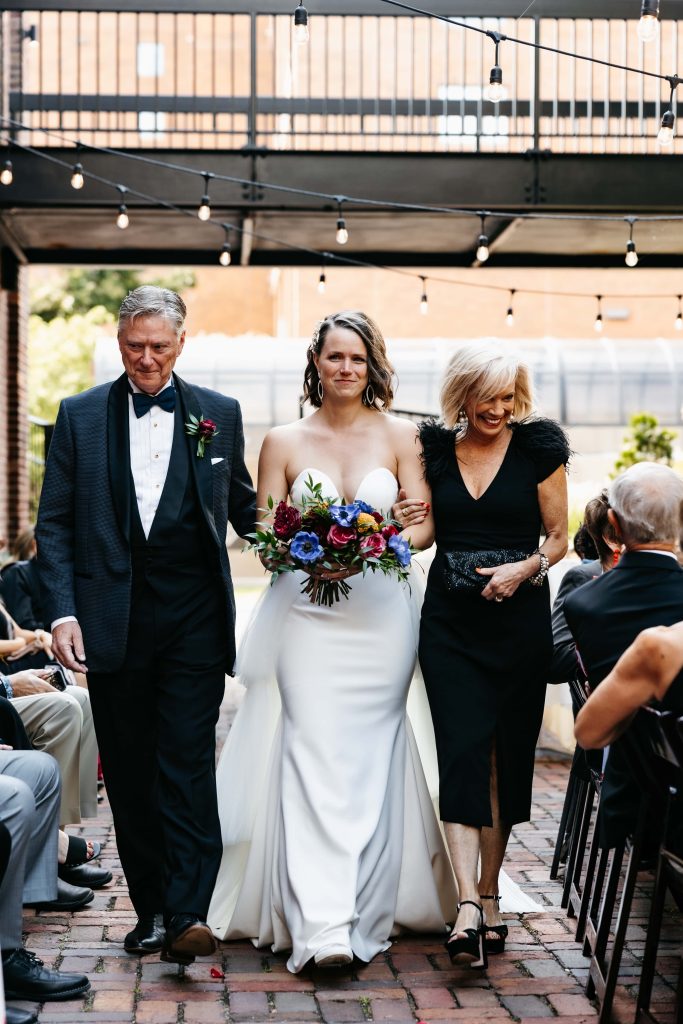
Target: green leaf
[{"x": 271, "y": 503}]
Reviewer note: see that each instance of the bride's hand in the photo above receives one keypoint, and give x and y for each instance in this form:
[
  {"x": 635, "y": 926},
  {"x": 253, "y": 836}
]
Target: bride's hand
[
  {"x": 334, "y": 574},
  {"x": 409, "y": 511}
]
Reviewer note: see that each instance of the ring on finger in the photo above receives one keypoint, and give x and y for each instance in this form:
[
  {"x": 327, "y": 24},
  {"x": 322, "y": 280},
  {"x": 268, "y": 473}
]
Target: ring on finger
[{"x": 498, "y": 598}]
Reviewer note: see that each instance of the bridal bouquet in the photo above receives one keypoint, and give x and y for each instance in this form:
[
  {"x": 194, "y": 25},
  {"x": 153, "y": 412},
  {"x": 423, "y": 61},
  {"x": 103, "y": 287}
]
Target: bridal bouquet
[{"x": 331, "y": 542}]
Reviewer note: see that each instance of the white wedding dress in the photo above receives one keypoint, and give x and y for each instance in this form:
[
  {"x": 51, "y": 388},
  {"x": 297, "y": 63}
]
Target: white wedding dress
[{"x": 329, "y": 830}]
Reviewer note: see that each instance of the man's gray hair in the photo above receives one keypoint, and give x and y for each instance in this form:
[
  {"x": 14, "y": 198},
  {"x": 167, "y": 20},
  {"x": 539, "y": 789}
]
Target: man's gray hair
[
  {"x": 648, "y": 501},
  {"x": 149, "y": 300}
]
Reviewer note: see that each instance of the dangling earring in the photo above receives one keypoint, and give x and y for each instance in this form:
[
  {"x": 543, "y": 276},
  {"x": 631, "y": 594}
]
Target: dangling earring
[
  {"x": 462, "y": 418},
  {"x": 369, "y": 395},
  {"x": 320, "y": 390}
]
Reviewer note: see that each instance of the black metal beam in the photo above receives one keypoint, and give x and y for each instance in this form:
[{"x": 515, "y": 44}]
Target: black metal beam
[
  {"x": 270, "y": 258},
  {"x": 605, "y": 9}
]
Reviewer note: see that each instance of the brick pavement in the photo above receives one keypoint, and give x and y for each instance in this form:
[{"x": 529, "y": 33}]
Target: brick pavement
[{"x": 540, "y": 977}]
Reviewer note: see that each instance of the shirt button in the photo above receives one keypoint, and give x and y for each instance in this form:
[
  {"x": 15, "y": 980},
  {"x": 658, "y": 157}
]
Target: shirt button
[
  {"x": 155, "y": 424},
  {"x": 158, "y": 486},
  {"x": 157, "y": 455}
]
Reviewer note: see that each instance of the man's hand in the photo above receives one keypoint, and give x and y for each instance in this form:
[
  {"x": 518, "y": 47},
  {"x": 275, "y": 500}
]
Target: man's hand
[
  {"x": 26, "y": 684},
  {"x": 67, "y": 645}
]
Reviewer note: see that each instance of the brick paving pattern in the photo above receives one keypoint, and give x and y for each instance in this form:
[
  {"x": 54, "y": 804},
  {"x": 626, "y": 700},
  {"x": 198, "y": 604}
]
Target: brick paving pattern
[{"x": 540, "y": 977}]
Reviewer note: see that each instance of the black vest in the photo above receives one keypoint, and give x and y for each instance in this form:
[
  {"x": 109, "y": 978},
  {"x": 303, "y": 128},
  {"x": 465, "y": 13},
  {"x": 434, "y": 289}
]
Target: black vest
[{"x": 179, "y": 540}]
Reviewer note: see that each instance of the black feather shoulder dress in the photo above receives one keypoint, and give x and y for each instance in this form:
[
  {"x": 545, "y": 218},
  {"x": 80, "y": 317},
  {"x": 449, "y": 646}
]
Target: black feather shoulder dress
[{"x": 485, "y": 663}]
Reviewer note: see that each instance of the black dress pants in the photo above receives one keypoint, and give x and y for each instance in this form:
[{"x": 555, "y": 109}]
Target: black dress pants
[{"x": 155, "y": 720}]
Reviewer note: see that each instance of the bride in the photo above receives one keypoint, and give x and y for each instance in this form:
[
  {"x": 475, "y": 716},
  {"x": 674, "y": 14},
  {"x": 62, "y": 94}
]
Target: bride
[{"x": 331, "y": 843}]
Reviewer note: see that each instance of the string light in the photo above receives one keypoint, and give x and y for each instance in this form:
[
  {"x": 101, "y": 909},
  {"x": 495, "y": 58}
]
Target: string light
[
  {"x": 301, "y": 33},
  {"x": 679, "y": 319},
  {"x": 648, "y": 26},
  {"x": 7, "y": 174},
  {"x": 77, "y": 177},
  {"x": 483, "y": 241},
  {"x": 122, "y": 219},
  {"x": 598, "y": 319},
  {"x": 204, "y": 211},
  {"x": 510, "y": 315},
  {"x": 495, "y": 90},
  {"x": 424, "y": 301},
  {"x": 631, "y": 254},
  {"x": 342, "y": 233},
  {"x": 225, "y": 258},
  {"x": 665, "y": 135},
  {"x": 322, "y": 280}
]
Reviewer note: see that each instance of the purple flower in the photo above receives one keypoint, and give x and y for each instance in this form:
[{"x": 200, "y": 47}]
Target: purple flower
[
  {"x": 401, "y": 549},
  {"x": 306, "y": 548},
  {"x": 344, "y": 515}
]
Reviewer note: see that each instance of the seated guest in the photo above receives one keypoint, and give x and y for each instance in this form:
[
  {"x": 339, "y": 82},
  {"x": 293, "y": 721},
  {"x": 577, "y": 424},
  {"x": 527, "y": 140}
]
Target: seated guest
[
  {"x": 20, "y": 584},
  {"x": 23, "y": 648},
  {"x": 29, "y": 805},
  {"x": 59, "y": 723},
  {"x": 584, "y": 545},
  {"x": 649, "y": 671},
  {"x": 645, "y": 589}
]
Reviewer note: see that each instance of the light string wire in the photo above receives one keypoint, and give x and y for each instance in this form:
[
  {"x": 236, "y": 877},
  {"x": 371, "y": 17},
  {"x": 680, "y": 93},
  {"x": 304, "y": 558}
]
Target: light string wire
[
  {"x": 324, "y": 256},
  {"x": 333, "y": 197}
]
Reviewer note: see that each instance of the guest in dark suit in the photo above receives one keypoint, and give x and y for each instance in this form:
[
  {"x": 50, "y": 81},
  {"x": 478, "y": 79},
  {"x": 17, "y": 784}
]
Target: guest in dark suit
[
  {"x": 136, "y": 581},
  {"x": 645, "y": 589}
]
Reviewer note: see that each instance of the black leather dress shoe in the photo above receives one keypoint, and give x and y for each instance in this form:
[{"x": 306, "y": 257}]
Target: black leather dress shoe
[
  {"x": 69, "y": 897},
  {"x": 26, "y": 977},
  {"x": 147, "y": 936},
  {"x": 85, "y": 875},
  {"x": 15, "y": 1015},
  {"x": 187, "y": 936}
]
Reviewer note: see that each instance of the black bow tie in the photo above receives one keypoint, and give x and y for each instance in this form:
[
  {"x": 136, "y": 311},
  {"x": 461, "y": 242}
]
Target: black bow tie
[{"x": 143, "y": 403}]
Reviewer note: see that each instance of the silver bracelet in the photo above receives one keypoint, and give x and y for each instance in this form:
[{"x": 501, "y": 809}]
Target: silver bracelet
[{"x": 537, "y": 579}]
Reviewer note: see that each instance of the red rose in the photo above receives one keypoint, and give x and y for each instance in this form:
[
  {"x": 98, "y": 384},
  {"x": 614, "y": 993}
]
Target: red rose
[
  {"x": 287, "y": 521},
  {"x": 316, "y": 524},
  {"x": 373, "y": 546},
  {"x": 207, "y": 428},
  {"x": 340, "y": 536},
  {"x": 389, "y": 531},
  {"x": 378, "y": 517}
]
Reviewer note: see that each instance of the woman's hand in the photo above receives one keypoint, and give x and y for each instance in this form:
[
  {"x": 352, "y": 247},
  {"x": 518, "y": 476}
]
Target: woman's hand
[
  {"x": 505, "y": 579},
  {"x": 409, "y": 511},
  {"x": 333, "y": 574},
  {"x": 11, "y": 646},
  {"x": 44, "y": 641}
]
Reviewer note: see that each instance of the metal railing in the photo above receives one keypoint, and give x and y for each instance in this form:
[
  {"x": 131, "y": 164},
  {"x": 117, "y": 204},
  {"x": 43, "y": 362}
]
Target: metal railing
[
  {"x": 366, "y": 83},
  {"x": 39, "y": 437}
]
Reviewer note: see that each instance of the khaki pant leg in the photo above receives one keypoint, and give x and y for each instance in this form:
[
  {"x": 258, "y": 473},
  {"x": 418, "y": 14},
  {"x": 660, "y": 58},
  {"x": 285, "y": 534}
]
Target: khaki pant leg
[
  {"x": 54, "y": 723},
  {"x": 88, "y": 765}
]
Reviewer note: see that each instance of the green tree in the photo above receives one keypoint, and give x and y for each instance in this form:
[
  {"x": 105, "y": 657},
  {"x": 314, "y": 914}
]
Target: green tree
[
  {"x": 646, "y": 442},
  {"x": 81, "y": 290}
]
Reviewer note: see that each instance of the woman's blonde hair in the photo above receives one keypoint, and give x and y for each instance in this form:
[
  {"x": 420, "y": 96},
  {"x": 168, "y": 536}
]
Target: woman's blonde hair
[{"x": 478, "y": 371}]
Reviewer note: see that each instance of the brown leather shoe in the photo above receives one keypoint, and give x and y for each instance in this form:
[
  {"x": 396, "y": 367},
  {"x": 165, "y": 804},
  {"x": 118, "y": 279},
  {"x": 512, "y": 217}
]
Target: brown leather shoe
[{"x": 186, "y": 938}]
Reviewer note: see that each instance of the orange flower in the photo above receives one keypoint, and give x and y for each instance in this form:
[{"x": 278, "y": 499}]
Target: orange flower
[{"x": 366, "y": 523}]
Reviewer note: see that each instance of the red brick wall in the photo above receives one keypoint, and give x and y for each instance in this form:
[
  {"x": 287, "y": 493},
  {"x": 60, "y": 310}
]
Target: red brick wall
[
  {"x": 14, "y": 494},
  {"x": 4, "y": 472}
]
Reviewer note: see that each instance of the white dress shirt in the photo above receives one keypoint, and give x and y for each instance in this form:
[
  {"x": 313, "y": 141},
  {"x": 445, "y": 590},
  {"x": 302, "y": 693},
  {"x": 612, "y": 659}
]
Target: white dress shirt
[{"x": 151, "y": 440}]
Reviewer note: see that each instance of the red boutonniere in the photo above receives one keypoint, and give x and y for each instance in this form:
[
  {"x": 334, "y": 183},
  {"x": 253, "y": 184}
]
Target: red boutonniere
[{"x": 204, "y": 430}]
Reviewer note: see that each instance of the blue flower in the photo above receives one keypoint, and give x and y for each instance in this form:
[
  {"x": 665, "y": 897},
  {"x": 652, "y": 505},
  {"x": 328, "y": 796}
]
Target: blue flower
[
  {"x": 401, "y": 549},
  {"x": 306, "y": 547},
  {"x": 363, "y": 506},
  {"x": 344, "y": 515}
]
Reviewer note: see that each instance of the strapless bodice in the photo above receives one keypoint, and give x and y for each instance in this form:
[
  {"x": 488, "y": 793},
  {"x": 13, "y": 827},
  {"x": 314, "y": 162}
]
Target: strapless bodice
[{"x": 378, "y": 488}]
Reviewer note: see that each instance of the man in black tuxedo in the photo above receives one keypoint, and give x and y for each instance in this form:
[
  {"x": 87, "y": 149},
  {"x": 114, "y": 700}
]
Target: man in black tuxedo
[
  {"x": 644, "y": 589},
  {"x": 136, "y": 580}
]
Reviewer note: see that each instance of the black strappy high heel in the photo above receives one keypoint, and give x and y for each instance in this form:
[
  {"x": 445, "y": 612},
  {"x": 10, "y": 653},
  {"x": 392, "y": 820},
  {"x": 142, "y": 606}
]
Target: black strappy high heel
[
  {"x": 496, "y": 945},
  {"x": 471, "y": 949}
]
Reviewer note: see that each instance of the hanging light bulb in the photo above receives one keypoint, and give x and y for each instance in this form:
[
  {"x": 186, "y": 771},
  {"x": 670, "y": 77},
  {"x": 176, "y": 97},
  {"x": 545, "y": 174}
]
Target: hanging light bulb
[
  {"x": 665, "y": 136},
  {"x": 679, "y": 319},
  {"x": 631, "y": 254},
  {"x": 322, "y": 280},
  {"x": 301, "y": 33},
  {"x": 598, "y": 320},
  {"x": 77, "y": 177},
  {"x": 495, "y": 91},
  {"x": 6, "y": 174},
  {"x": 342, "y": 233},
  {"x": 510, "y": 315},
  {"x": 123, "y": 220},
  {"x": 483, "y": 241},
  {"x": 225, "y": 258},
  {"x": 424, "y": 301},
  {"x": 204, "y": 211},
  {"x": 648, "y": 26}
]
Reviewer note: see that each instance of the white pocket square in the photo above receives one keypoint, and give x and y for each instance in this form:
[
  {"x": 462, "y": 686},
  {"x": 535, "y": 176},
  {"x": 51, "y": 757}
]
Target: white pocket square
[{"x": 216, "y": 461}]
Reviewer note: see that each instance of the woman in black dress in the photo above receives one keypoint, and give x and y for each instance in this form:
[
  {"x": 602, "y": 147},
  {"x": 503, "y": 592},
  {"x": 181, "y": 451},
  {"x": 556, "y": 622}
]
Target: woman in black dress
[{"x": 498, "y": 482}]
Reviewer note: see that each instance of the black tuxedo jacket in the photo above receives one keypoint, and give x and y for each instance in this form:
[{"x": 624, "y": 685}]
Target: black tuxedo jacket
[
  {"x": 565, "y": 665},
  {"x": 607, "y": 614},
  {"x": 83, "y": 527}
]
